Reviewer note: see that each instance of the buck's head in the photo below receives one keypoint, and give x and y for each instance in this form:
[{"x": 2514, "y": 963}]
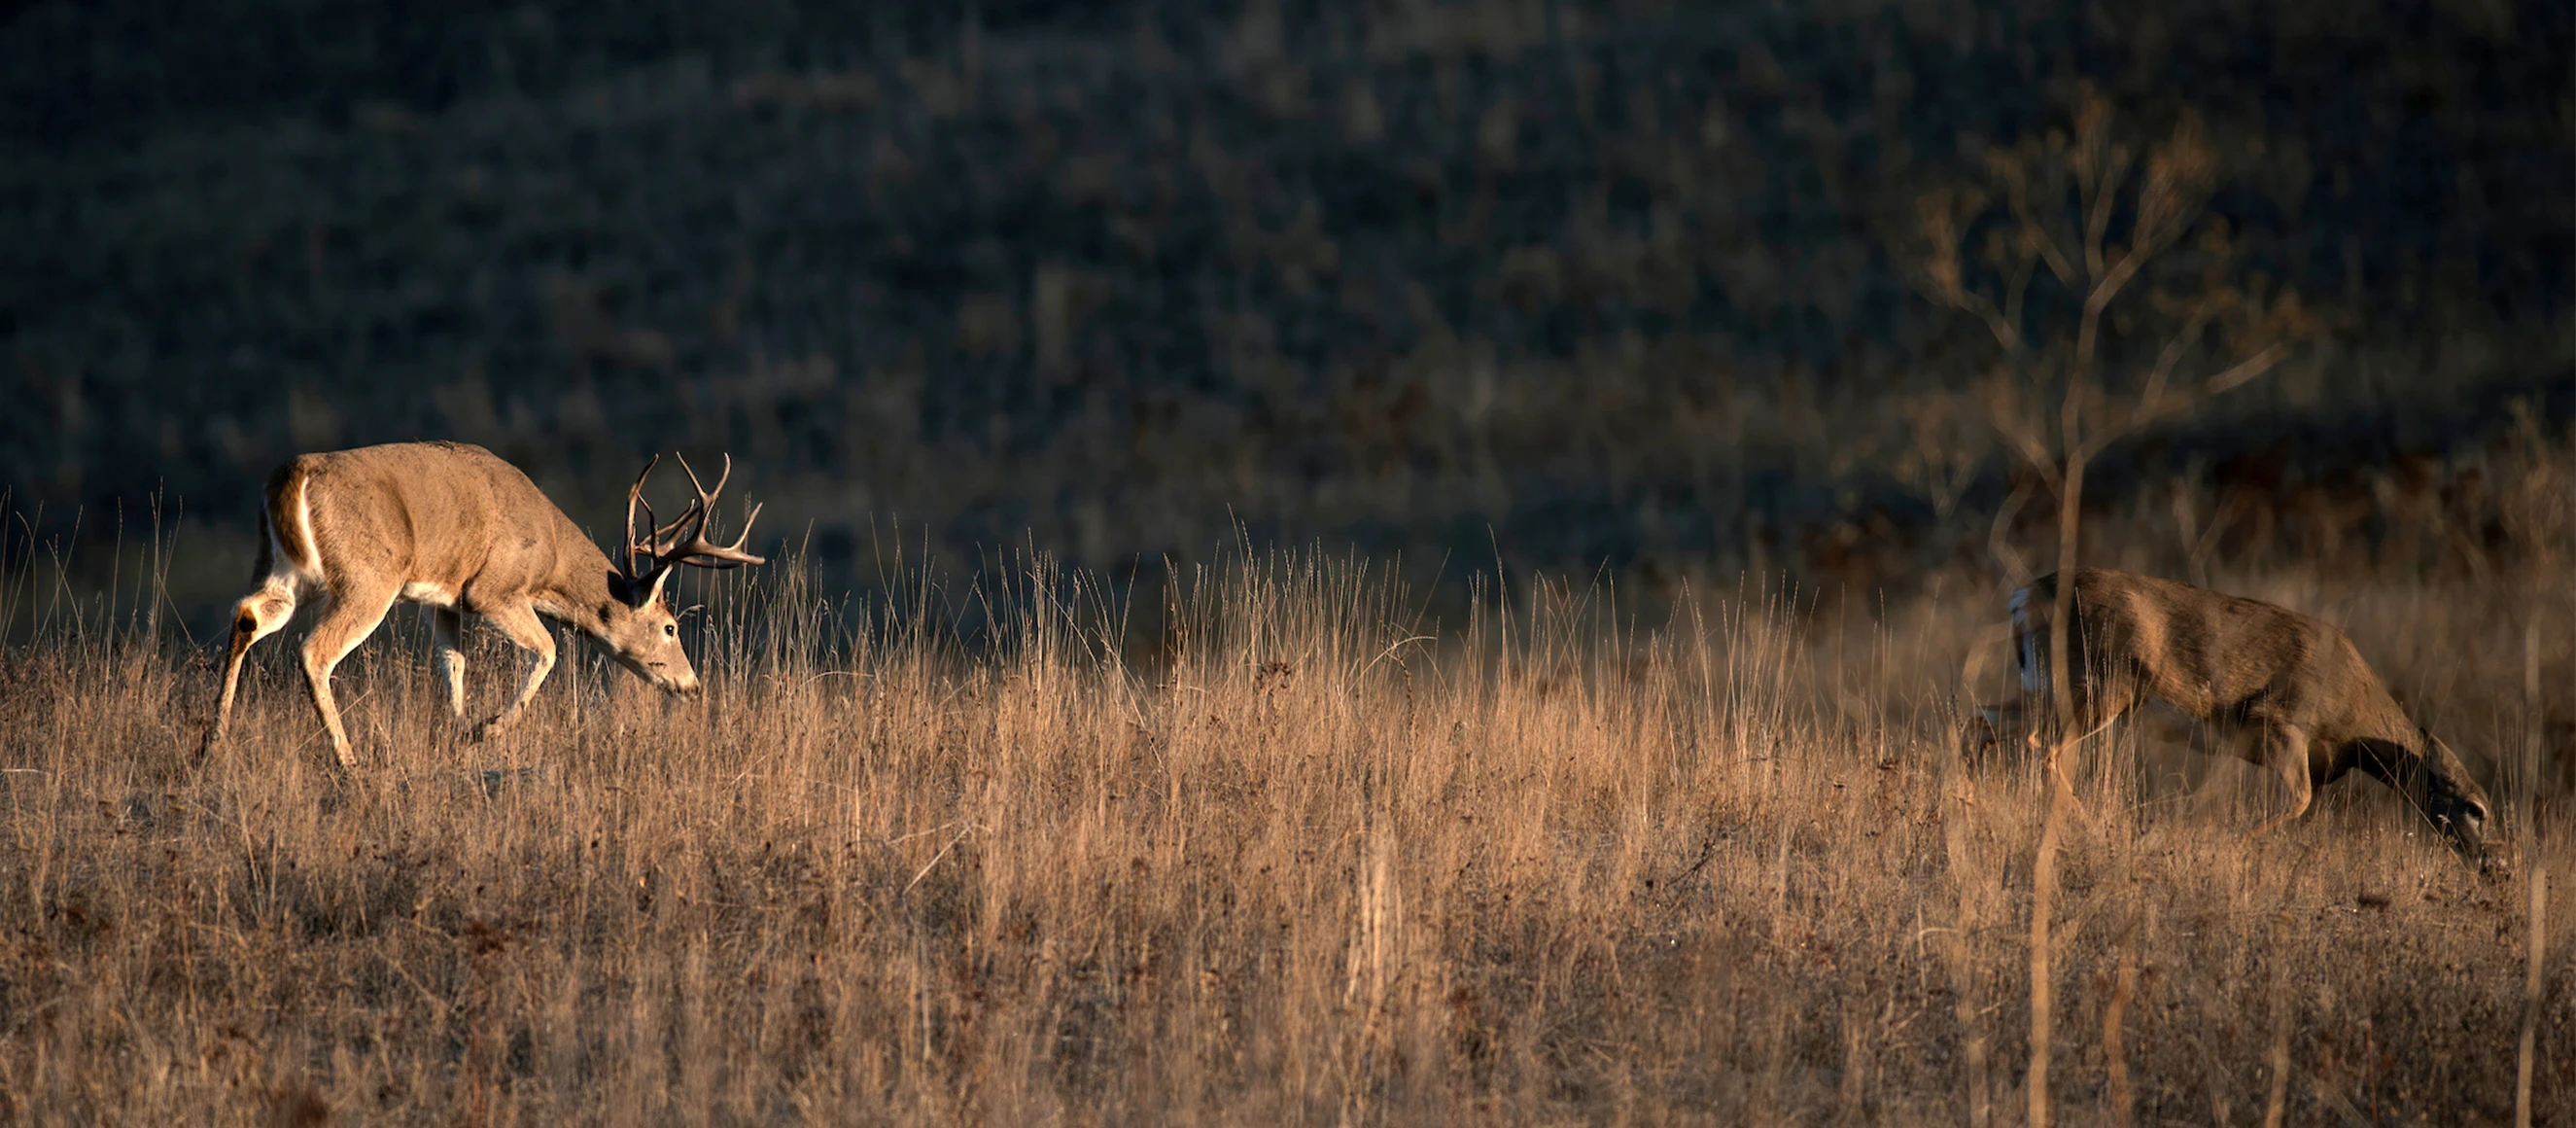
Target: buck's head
[
  {"x": 2457, "y": 807},
  {"x": 641, "y": 630},
  {"x": 639, "y": 627}
]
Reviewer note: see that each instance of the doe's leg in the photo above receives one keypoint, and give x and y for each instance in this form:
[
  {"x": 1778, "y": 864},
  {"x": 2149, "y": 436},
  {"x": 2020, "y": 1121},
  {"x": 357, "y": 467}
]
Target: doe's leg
[
  {"x": 1981, "y": 733},
  {"x": 2285, "y": 753},
  {"x": 258, "y": 615},
  {"x": 2096, "y": 707},
  {"x": 523, "y": 627},
  {"x": 447, "y": 640},
  {"x": 353, "y": 616},
  {"x": 2056, "y": 765}
]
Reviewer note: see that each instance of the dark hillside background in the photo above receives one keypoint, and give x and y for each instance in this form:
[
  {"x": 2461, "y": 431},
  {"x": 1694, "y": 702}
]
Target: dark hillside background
[{"x": 1586, "y": 286}]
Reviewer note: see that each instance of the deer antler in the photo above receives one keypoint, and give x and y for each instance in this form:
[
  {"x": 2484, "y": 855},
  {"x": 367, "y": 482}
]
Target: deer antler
[
  {"x": 635, "y": 499},
  {"x": 698, "y": 549},
  {"x": 664, "y": 547}
]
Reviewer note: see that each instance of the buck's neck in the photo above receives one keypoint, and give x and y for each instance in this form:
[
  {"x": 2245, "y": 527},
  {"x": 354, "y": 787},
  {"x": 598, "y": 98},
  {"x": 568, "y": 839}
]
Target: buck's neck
[{"x": 578, "y": 594}]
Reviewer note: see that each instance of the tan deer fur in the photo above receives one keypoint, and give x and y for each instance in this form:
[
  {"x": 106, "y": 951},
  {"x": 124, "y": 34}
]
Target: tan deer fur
[
  {"x": 2281, "y": 690},
  {"x": 456, "y": 528}
]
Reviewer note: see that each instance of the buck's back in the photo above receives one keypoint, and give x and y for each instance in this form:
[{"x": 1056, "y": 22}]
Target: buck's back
[{"x": 436, "y": 513}]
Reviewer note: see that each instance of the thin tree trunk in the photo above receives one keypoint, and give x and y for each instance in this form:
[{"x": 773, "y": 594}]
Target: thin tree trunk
[
  {"x": 2531, "y": 999},
  {"x": 2043, "y": 890},
  {"x": 2114, "y": 1045},
  {"x": 1961, "y": 955},
  {"x": 2043, "y": 879},
  {"x": 2070, "y": 504}
]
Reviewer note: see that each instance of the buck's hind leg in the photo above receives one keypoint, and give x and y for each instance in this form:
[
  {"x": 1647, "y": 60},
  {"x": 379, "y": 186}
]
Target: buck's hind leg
[
  {"x": 525, "y": 628},
  {"x": 447, "y": 639},
  {"x": 353, "y": 616},
  {"x": 258, "y": 615}
]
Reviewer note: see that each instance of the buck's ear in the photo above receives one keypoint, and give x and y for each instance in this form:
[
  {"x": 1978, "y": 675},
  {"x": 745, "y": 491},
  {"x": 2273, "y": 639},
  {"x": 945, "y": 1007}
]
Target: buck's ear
[{"x": 630, "y": 593}]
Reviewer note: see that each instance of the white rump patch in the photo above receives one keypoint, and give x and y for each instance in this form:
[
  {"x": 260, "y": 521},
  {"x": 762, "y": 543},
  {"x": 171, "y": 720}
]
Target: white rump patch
[
  {"x": 285, "y": 572},
  {"x": 311, "y": 564}
]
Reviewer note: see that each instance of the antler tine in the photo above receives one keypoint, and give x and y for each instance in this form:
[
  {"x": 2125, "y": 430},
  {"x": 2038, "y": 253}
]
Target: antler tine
[
  {"x": 734, "y": 552},
  {"x": 704, "y": 509},
  {"x": 634, "y": 498},
  {"x": 705, "y": 494},
  {"x": 697, "y": 549},
  {"x": 663, "y": 533},
  {"x": 706, "y": 554},
  {"x": 659, "y": 540}
]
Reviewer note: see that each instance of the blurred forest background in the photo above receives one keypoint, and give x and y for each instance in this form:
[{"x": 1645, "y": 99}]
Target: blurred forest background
[{"x": 1592, "y": 287}]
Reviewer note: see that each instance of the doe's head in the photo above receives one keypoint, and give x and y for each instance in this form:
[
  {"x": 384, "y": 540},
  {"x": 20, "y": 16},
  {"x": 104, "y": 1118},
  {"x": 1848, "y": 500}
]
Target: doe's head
[{"x": 2458, "y": 808}]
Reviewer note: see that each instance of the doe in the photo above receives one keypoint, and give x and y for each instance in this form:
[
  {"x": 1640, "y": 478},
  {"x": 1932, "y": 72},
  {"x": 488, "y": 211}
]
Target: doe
[{"x": 2283, "y": 691}]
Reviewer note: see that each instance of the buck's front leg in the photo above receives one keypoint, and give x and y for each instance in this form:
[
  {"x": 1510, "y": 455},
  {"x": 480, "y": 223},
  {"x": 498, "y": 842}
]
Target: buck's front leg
[
  {"x": 257, "y": 616},
  {"x": 523, "y": 627}
]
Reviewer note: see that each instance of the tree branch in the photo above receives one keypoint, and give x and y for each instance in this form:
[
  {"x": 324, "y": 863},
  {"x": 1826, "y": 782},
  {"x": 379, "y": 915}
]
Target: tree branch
[
  {"x": 2151, "y": 400},
  {"x": 2035, "y": 236},
  {"x": 2021, "y": 434},
  {"x": 2097, "y": 219},
  {"x": 2007, "y": 332},
  {"x": 1999, "y": 536},
  {"x": 2152, "y": 408},
  {"x": 2246, "y": 369},
  {"x": 2020, "y": 284}
]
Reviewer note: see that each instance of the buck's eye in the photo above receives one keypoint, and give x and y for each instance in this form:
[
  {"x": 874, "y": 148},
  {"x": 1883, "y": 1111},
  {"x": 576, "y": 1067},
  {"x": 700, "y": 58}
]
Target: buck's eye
[{"x": 671, "y": 629}]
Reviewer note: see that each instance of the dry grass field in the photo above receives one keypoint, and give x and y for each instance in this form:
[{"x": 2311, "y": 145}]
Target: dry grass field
[
  {"x": 1695, "y": 303},
  {"x": 1311, "y": 861}
]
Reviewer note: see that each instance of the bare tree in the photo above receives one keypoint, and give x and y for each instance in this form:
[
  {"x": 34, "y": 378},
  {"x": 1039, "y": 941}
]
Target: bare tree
[
  {"x": 2070, "y": 224},
  {"x": 2112, "y": 306}
]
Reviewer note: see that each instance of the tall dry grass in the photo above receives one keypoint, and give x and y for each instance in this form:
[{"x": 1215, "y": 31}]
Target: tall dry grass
[{"x": 1321, "y": 862}]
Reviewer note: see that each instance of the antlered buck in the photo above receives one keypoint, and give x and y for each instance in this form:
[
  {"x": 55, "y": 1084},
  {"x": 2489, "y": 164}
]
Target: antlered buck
[
  {"x": 455, "y": 527},
  {"x": 2281, "y": 690}
]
